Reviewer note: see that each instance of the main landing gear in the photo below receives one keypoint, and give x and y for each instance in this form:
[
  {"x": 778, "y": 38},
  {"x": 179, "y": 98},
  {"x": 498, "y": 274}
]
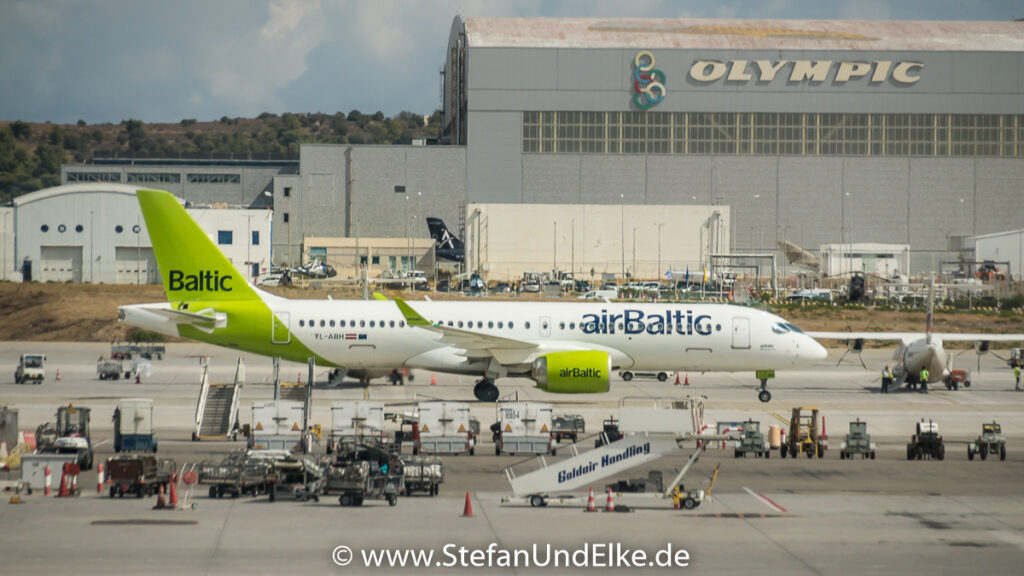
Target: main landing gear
[
  {"x": 486, "y": 391},
  {"x": 764, "y": 395}
]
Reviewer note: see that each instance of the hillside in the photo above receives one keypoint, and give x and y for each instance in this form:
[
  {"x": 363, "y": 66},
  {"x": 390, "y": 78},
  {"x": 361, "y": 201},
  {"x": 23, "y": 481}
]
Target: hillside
[
  {"x": 31, "y": 153},
  {"x": 88, "y": 313}
]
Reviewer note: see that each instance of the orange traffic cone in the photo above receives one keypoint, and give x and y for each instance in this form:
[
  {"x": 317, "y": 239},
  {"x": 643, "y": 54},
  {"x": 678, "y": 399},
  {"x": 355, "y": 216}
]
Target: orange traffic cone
[
  {"x": 63, "y": 492},
  {"x": 677, "y": 379},
  {"x": 160, "y": 503},
  {"x": 687, "y": 381},
  {"x": 173, "y": 500},
  {"x": 300, "y": 377},
  {"x": 46, "y": 482},
  {"x": 610, "y": 505},
  {"x": 467, "y": 511},
  {"x": 58, "y": 375},
  {"x": 99, "y": 478},
  {"x": 591, "y": 507},
  {"x": 433, "y": 379}
]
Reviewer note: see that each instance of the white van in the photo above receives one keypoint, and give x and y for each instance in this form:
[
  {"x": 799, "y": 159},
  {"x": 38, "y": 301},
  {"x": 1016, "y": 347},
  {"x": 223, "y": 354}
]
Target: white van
[{"x": 600, "y": 295}]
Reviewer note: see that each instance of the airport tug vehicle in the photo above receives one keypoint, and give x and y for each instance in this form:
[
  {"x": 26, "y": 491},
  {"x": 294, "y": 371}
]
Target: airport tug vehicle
[{"x": 991, "y": 442}]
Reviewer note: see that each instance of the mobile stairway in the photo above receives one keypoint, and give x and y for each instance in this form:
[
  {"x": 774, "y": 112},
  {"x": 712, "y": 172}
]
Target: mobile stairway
[
  {"x": 217, "y": 409},
  {"x": 651, "y": 430}
]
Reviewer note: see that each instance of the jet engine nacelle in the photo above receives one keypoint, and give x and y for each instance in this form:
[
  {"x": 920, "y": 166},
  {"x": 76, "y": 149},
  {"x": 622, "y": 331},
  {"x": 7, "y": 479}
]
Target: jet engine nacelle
[{"x": 580, "y": 372}]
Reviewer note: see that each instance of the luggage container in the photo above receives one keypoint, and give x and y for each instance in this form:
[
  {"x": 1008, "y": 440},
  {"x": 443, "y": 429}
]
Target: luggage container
[
  {"x": 277, "y": 425},
  {"x": 138, "y": 474},
  {"x": 522, "y": 428},
  {"x": 445, "y": 428},
  {"x": 133, "y": 426},
  {"x": 355, "y": 423},
  {"x": 423, "y": 474},
  {"x": 368, "y": 473}
]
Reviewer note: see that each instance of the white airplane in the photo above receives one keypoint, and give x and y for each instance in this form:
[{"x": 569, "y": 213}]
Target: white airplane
[
  {"x": 916, "y": 351},
  {"x": 564, "y": 347}
]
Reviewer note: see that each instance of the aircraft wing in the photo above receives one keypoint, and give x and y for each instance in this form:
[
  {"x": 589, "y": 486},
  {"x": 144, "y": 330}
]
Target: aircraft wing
[
  {"x": 865, "y": 335},
  {"x": 475, "y": 344},
  {"x": 908, "y": 336}
]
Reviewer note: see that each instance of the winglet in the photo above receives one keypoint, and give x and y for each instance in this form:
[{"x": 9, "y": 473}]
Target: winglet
[
  {"x": 379, "y": 296},
  {"x": 411, "y": 316}
]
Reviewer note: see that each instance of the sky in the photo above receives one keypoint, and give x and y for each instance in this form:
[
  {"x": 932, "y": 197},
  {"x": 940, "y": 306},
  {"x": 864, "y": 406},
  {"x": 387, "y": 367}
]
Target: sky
[{"x": 163, "y": 61}]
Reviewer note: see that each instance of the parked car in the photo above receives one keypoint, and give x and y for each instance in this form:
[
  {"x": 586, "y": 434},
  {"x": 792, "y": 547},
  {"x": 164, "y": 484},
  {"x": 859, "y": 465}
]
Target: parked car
[
  {"x": 442, "y": 286},
  {"x": 530, "y": 286},
  {"x": 662, "y": 376},
  {"x": 503, "y": 287}
]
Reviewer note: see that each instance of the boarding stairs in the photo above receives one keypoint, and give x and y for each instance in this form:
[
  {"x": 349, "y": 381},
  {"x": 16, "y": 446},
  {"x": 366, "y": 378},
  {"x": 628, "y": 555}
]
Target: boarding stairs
[
  {"x": 651, "y": 431},
  {"x": 217, "y": 409}
]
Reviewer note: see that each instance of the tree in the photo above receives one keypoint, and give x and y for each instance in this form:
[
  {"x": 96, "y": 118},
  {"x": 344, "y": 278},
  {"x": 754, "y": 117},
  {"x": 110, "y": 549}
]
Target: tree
[{"x": 21, "y": 130}]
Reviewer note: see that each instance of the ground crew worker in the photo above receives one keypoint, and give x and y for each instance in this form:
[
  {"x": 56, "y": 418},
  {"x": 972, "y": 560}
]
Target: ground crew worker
[
  {"x": 924, "y": 380},
  {"x": 887, "y": 379},
  {"x": 1016, "y": 377}
]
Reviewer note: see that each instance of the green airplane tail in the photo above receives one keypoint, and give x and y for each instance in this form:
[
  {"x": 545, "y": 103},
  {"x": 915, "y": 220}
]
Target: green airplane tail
[{"x": 191, "y": 266}]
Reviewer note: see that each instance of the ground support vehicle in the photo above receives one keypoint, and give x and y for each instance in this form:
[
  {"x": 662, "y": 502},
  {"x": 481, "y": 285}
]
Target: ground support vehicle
[
  {"x": 1016, "y": 358},
  {"x": 858, "y": 441},
  {"x": 111, "y": 369},
  {"x": 133, "y": 426},
  {"x": 129, "y": 351},
  {"x": 366, "y": 473},
  {"x": 609, "y": 433},
  {"x": 31, "y": 368},
  {"x": 926, "y": 443},
  {"x": 567, "y": 428},
  {"x": 138, "y": 474},
  {"x": 957, "y": 378},
  {"x": 991, "y": 442},
  {"x": 235, "y": 475},
  {"x": 355, "y": 423},
  {"x": 288, "y": 472},
  {"x": 70, "y": 435},
  {"x": 445, "y": 428},
  {"x": 423, "y": 474},
  {"x": 752, "y": 441},
  {"x": 804, "y": 434},
  {"x": 522, "y": 428}
]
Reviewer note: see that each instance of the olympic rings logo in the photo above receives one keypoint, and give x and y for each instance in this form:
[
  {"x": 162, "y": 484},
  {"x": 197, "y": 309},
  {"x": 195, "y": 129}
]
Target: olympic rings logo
[{"x": 648, "y": 83}]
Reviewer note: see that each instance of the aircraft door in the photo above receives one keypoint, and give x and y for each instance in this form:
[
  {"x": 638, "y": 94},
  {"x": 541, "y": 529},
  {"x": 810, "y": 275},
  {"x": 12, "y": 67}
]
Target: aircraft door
[
  {"x": 545, "y": 326},
  {"x": 741, "y": 333},
  {"x": 280, "y": 331}
]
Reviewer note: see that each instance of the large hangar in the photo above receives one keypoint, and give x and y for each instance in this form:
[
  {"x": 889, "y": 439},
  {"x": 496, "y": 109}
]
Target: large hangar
[{"x": 820, "y": 132}]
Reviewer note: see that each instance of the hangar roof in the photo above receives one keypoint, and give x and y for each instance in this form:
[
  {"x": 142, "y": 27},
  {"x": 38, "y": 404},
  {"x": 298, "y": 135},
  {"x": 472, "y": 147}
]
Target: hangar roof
[{"x": 687, "y": 33}]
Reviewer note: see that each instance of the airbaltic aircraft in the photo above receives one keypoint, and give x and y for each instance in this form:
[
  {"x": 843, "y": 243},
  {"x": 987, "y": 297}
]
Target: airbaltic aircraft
[{"x": 565, "y": 348}]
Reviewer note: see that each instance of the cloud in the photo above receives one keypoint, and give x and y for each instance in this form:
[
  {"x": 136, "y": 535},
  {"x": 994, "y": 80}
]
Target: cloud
[{"x": 246, "y": 72}]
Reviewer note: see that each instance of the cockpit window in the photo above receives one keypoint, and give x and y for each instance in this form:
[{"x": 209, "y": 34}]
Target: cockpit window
[
  {"x": 794, "y": 328},
  {"x": 780, "y": 327}
]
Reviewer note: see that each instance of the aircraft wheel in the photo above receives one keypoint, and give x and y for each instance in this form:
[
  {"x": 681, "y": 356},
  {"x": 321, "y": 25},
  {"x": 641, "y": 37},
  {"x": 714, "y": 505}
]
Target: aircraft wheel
[
  {"x": 486, "y": 391},
  {"x": 627, "y": 376},
  {"x": 764, "y": 396}
]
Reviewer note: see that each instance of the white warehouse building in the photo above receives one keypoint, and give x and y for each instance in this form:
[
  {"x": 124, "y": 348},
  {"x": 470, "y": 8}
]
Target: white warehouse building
[{"x": 95, "y": 233}]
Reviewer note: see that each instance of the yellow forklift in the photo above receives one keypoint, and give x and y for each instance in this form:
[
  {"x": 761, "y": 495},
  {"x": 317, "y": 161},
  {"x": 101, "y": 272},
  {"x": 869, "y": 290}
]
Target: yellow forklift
[{"x": 804, "y": 434}]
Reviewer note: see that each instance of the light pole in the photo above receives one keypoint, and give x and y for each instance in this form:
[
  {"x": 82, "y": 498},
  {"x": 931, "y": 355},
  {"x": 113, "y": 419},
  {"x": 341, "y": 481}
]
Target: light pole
[
  {"x": 622, "y": 231},
  {"x": 408, "y": 249},
  {"x": 554, "y": 250},
  {"x": 634, "y": 252},
  {"x": 659, "y": 225}
]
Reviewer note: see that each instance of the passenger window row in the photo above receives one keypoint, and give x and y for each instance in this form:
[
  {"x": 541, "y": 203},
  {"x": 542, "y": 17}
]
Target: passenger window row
[{"x": 352, "y": 323}]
